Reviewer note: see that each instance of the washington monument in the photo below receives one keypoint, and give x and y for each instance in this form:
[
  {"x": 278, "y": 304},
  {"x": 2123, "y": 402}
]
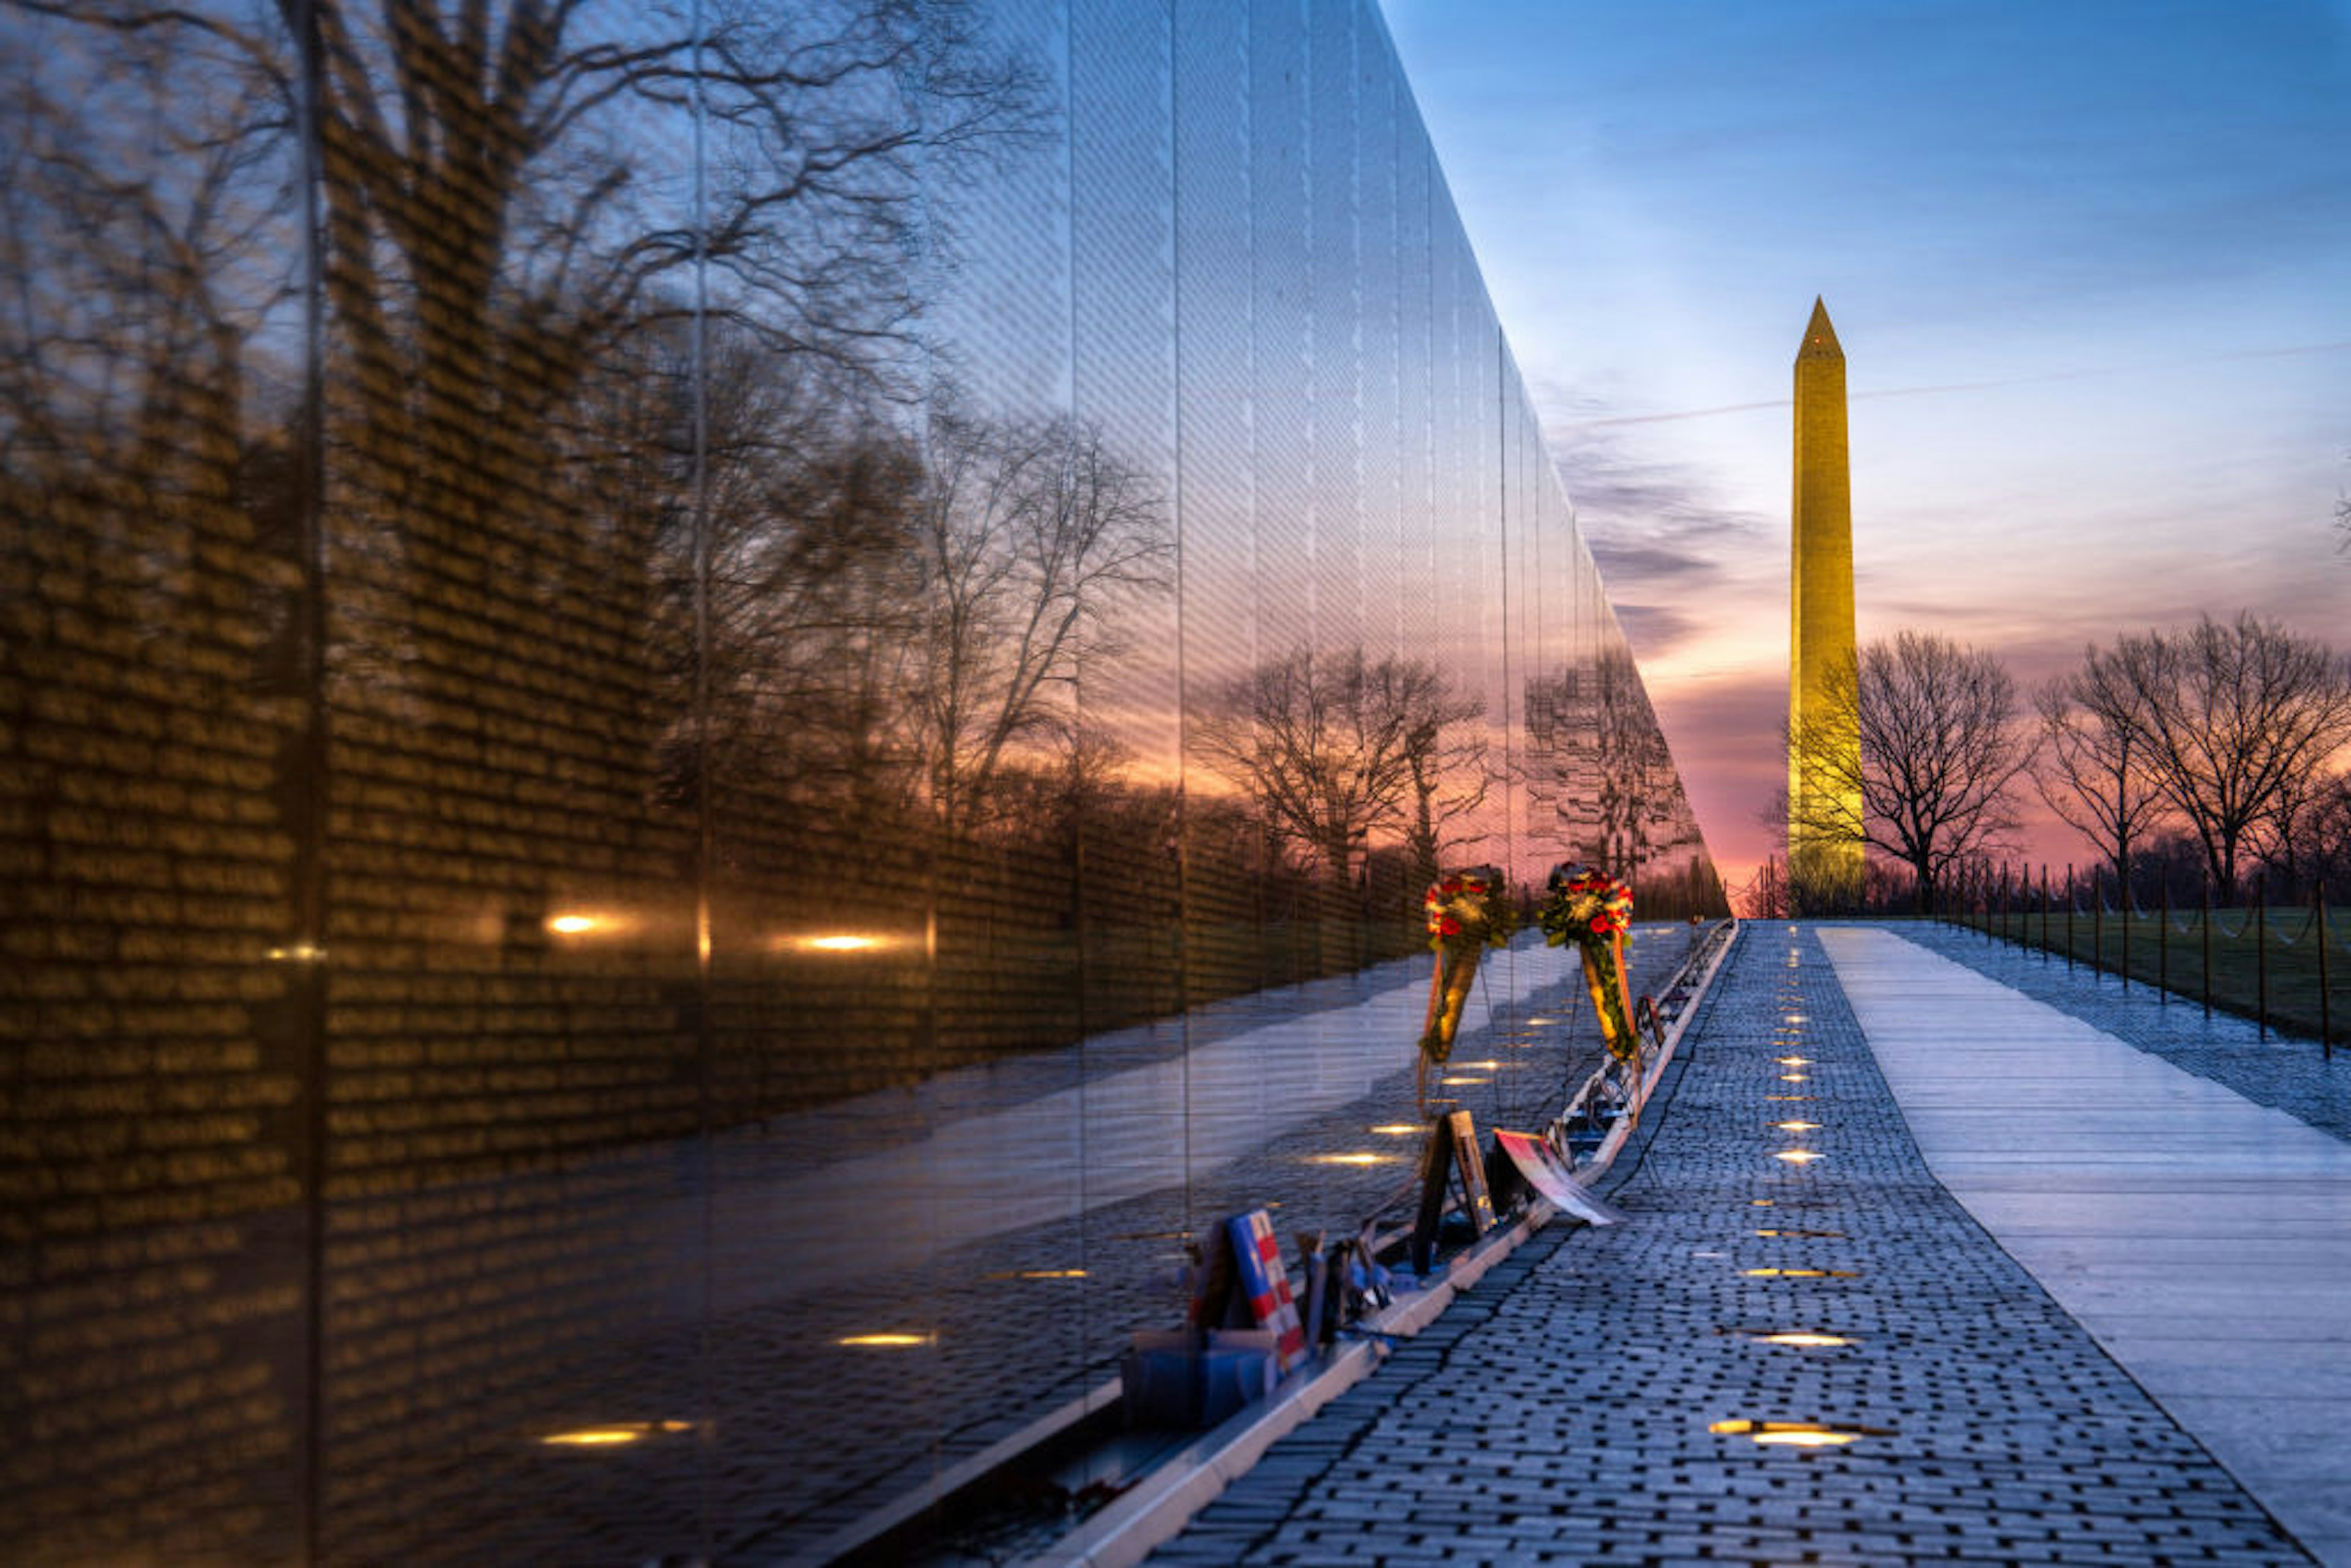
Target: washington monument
[{"x": 1824, "y": 725}]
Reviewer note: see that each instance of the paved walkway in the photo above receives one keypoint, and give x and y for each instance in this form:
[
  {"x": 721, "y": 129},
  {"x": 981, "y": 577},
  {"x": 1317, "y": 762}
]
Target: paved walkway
[
  {"x": 2200, "y": 1238},
  {"x": 1632, "y": 1396}
]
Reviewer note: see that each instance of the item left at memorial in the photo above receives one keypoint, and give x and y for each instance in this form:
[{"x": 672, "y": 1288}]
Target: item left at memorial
[
  {"x": 1587, "y": 907},
  {"x": 1244, "y": 1335},
  {"x": 1468, "y": 912}
]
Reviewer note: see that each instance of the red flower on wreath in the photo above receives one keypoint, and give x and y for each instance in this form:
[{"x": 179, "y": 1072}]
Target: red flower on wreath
[{"x": 1469, "y": 906}]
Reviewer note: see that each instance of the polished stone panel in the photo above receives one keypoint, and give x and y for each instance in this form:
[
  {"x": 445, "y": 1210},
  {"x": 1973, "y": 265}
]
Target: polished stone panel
[{"x": 679, "y": 684}]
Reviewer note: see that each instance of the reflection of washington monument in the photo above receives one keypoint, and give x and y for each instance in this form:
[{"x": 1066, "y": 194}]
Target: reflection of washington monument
[{"x": 1823, "y": 724}]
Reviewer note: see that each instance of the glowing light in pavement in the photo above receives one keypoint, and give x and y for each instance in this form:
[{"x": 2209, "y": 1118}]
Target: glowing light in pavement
[
  {"x": 1800, "y": 1273},
  {"x": 1788, "y": 1434}
]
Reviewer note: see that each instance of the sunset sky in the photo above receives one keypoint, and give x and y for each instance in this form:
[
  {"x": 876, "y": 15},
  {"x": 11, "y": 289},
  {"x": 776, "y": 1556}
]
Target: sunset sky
[{"x": 2090, "y": 262}]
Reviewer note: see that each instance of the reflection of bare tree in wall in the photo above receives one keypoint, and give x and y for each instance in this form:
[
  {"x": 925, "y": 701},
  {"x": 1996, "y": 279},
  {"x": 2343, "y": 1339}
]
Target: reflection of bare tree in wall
[
  {"x": 811, "y": 604},
  {"x": 509, "y": 201},
  {"x": 1334, "y": 746},
  {"x": 897, "y": 620},
  {"x": 139, "y": 288},
  {"x": 511, "y": 228},
  {"x": 1633, "y": 790},
  {"x": 1029, "y": 536}
]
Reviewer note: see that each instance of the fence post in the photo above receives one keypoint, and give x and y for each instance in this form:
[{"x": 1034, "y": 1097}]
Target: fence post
[
  {"x": 2261, "y": 955},
  {"x": 2163, "y": 945},
  {"x": 2123, "y": 912},
  {"x": 2097, "y": 924},
  {"x": 2044, "y": 911},
  {"x": 2326, "y": 1014},
  {"x": 2207, "y": 931},
  {"x": 2069, "y": 917}
]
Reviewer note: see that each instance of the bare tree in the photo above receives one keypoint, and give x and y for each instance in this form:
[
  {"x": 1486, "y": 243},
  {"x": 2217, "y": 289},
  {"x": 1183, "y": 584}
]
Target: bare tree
[
  {"x": 148, "y": 238},
  {"x": 902, "y": 619},
  {"x": 2343, "y": 524},
  {"x": 2309, "y": 840},
  {"x": 1029, "y": 535},
  {"x": 1635, "y": 787},
  {"x": 1333, "y": 747},
  {"x": 1764, "y": 895},
  {"x": 2318, "y": 838},
  {"x": 1445, "y": 755},
  {"x": 1941, "y": 750},
  {"x": 815, "y": 621},
  {"x": 2234, "y": 720},
  {"x": 506, "y": 202},
  {"x": 2092, "y": 769}
]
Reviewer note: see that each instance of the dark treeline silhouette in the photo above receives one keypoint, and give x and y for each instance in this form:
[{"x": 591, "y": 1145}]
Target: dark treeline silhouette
[{"x": 2208, "y": 757}]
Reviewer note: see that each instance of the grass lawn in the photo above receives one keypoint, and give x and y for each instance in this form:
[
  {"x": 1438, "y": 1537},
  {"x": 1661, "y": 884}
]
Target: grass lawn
[{"x": 2259, "y": 965}]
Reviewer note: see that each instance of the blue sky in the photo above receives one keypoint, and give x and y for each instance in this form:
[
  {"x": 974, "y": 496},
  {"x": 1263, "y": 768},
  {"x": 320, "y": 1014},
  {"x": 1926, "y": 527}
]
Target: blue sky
[{"x": 2090, "y": 261}]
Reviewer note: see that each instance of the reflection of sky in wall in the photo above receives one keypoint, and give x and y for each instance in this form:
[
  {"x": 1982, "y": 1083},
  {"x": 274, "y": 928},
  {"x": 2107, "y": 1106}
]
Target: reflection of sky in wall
[
  {"x": 1353, "y": 454},
  {"x": 2086, "y": 259}
]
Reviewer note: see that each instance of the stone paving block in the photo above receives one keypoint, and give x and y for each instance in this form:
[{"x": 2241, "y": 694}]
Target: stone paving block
[{"x": 1988, "y": 1426}]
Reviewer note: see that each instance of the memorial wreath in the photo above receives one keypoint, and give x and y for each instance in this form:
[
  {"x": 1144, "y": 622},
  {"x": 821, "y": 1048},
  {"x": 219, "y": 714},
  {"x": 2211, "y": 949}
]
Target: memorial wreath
[
  {"x": 1594, "y": 910},
  {"x": 1468, "y": 912}
]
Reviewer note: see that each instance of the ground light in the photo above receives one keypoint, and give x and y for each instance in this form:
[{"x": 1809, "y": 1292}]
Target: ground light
[
  {"x": 1799, "y": 1157},
  {"x": 888, "y": 1341},
  {"x": 1800, "y": 1273},
  {"x": 1803, "y": 1340},
  {"x": 1796, "y": 1434}
]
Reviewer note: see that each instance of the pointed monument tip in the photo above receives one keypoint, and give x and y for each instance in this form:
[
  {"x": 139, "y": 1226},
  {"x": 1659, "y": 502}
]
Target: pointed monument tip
[{"x": 1820, "y": 337}]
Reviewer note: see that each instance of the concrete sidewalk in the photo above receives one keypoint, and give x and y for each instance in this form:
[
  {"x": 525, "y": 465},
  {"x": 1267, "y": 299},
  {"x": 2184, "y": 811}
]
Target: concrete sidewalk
[{"x": 1783, "y": 1358}]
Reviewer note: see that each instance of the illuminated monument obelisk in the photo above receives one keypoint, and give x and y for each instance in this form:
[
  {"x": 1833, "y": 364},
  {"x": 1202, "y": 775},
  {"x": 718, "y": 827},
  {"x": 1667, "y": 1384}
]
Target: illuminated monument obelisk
[{"x": 1823, "y": 734}]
